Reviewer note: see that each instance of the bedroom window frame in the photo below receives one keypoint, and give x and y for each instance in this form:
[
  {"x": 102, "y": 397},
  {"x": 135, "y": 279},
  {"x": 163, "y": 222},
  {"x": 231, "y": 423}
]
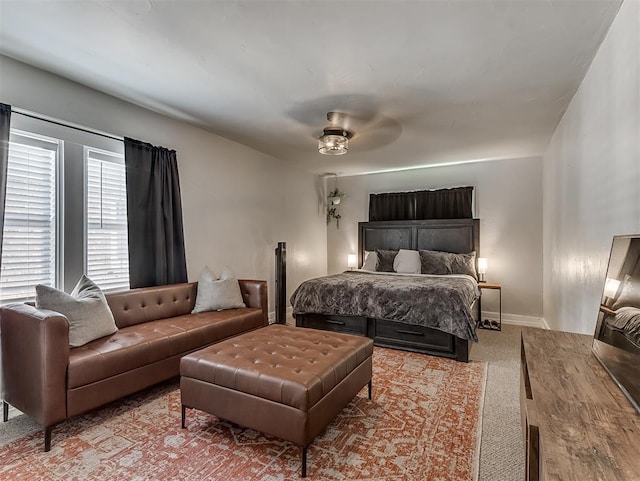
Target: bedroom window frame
[
  {"x": 70, "y": 184},
  {"x": 117, "y": 258},
  {"x": 23, "y": 145}
]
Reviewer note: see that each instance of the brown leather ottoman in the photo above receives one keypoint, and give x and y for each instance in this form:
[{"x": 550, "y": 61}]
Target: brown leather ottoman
[{"x": 285, "y": 381}]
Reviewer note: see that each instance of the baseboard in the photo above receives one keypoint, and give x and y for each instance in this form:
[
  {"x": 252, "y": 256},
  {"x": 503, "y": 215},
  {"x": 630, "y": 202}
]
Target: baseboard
[
  {"x": 517, "y": 320},
  {"x": 272, "y": 315}
]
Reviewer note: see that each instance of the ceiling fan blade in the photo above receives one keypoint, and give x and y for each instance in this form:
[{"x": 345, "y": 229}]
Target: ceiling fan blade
[
  {"x": 313, "y": 113},
  {"x": 383, "y": 131},
  {"x": 356, "y": 113}
]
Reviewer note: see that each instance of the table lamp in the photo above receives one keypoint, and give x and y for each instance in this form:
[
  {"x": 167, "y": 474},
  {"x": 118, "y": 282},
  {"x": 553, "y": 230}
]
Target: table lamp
[{"x": 483, "y": 263}]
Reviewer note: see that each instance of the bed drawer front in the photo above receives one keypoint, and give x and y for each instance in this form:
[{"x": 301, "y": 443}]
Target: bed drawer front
[
  {"x": 349, "y": 325},
  {"x": 391, "y": 333}
]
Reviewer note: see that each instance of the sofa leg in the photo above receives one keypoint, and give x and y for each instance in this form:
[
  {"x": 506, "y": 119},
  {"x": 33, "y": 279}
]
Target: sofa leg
[
  {"x": 304, "y": 462},
  {"x": 370, "y": 389},
  {"x": 5, "y": 411},
  {"x": 47, "y": 438},
  {"x": 184, "y": 415}
]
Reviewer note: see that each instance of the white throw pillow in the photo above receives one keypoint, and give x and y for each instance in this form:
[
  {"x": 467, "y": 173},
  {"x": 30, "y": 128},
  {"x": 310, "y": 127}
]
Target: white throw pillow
[
  {"x": 227, "y": 273},
  {"x": 407, "y": 262},
  {"x": 216, "y": 295},
  {"x": 86, "y": 309},
  {"x": 208, "y": 275},
  {"x": 370, "y": 261}
]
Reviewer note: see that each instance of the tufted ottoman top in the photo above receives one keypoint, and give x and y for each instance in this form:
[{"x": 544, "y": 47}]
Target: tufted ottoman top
[{"x": 288, "y": 365}]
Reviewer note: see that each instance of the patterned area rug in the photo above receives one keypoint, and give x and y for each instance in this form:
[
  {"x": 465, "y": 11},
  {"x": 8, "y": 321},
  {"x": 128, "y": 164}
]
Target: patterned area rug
[{"x": 424, "y": 423}]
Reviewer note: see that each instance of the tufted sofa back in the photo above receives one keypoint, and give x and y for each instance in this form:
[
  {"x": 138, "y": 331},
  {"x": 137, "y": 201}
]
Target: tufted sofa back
[{"x": 146, "y": 304}]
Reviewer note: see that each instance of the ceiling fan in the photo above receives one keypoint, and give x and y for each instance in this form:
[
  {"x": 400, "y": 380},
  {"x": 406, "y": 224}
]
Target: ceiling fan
[{"x": 354, "y": 121}]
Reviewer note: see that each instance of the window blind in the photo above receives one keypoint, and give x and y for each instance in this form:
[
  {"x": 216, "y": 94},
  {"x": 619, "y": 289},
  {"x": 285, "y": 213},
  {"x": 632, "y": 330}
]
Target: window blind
[
  {"x": 107, "y": 248},
  {"x": 30, "y": 225}
]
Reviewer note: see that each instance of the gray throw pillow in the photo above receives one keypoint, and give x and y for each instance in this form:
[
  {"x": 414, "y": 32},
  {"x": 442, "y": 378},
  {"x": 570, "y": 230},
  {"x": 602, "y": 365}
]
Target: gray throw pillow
[
  {"x": 216, "y": 295},
  {"x": 385, "y": 260},
  {"x": 85, "y": 308},
  {"x": 444, "y": 263}
]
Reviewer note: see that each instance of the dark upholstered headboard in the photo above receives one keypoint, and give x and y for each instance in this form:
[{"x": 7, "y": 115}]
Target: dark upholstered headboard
[{"x": 449, "y": 235}]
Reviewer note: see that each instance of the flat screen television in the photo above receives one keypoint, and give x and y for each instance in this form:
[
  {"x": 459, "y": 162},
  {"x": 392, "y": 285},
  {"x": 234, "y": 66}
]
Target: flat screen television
[{"x": 616, "y": 340}]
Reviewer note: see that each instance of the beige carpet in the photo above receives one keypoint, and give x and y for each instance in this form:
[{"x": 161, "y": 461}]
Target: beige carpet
[{"x": 502, "y": 448}]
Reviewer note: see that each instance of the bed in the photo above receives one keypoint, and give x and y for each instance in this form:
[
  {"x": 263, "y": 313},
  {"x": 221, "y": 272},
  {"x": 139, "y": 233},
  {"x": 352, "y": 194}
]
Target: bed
[
  {"x": 459, "y": 236},
  {"x": 620, "y": 327}
]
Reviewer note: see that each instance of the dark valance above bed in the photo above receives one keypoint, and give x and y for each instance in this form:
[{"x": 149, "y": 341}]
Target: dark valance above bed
[{"x": 423, "y": 204}]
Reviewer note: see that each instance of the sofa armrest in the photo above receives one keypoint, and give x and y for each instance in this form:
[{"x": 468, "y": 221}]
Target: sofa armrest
[
  {"x": 35, "y": 356},
  {"x": 254, "y": 294}
]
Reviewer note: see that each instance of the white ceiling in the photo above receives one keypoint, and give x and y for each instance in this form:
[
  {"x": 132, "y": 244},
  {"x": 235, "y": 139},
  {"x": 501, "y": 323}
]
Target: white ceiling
[{"x": 429, "y": 81}]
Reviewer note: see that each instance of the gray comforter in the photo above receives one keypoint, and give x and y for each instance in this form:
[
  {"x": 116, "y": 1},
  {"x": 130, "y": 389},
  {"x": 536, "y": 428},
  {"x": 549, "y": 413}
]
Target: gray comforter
[
  {"x": 627, "y": 320},
  {"x": 438, "y": 302}
]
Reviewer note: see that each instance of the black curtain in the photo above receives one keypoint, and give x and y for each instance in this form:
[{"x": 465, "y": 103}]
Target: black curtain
[
  {"x": 425, "y": 204},
  {"x": 154, "y": 211},
  {"x": 5, "y": 122},
  {"x": 392, "y": 206},
  {"x": 444, "y": 203}
]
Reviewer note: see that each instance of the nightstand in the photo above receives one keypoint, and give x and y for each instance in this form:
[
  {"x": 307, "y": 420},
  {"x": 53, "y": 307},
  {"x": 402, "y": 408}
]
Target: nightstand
[{"x": 491, "y": 324}]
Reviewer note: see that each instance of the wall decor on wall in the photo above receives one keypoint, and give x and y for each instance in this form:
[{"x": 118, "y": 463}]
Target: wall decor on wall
[{"x": 333, "y": 201}]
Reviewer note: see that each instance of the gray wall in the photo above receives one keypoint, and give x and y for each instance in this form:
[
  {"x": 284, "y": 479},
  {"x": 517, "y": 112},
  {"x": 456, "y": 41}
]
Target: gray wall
[
  {"x": 508, "y": 202},
  {"x": 237, "y": 203},
  {"x": 592, "y": 178}
]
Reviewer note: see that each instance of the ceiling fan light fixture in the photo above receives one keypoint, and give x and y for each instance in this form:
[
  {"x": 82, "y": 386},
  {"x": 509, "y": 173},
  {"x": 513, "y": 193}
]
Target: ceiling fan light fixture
[{"x": 334, "y": 142}]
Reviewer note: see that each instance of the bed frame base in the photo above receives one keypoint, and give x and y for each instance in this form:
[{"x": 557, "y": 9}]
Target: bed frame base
[{"x": 394, "y": 335}]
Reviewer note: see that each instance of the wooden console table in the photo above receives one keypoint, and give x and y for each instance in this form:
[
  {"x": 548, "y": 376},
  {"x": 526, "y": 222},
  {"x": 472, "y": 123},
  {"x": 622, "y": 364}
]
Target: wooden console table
[{"x": 577, "y": 423}]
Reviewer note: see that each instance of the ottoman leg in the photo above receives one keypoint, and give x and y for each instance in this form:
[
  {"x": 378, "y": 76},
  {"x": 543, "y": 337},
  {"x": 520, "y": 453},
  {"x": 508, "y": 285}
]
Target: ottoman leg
[
  {"x": 5, "y": 411},
  {"x": 47, "y": 438},
  {"x": 304, "y": 462},
  {"x": 184, "y": 415},
  {"x": 370, "y": 388}
]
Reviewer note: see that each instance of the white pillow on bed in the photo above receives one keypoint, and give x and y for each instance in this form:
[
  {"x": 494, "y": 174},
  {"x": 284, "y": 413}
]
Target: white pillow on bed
[
  {"x": 370, "y": 261},
  {"x": 407, "y": 262}
]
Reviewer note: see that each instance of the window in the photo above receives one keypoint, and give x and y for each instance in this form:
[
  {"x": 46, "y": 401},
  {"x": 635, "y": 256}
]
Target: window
[
  {"x": 106, "y": 220},
  {"x": 30, "y": 223},
  {"x": 65, "y": 211}
]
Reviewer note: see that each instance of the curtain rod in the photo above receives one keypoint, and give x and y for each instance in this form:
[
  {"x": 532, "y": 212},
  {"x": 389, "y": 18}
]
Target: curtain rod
[{"x": 62, "y": 123}]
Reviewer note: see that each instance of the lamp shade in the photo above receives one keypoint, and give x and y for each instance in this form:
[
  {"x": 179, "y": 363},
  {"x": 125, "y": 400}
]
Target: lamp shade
[
  {"x": 352, "y": 261},
  {"x": 483, "y": 264},
  {"x": 333, "y": 144},
  {"x": 611, "y": 287}
]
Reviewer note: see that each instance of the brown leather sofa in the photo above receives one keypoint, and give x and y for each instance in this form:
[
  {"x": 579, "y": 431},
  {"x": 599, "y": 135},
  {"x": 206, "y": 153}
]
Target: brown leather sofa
[{"x": 50, "y": 382}]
